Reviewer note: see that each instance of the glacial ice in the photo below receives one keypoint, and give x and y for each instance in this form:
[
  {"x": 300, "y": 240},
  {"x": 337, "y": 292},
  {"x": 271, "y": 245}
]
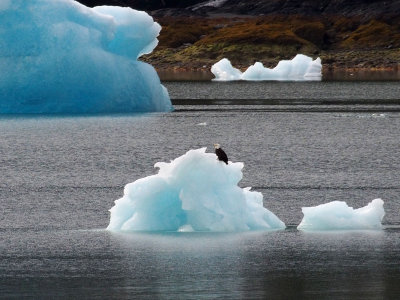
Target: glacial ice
[
  {"x": 194, "y": 192},
  {"x": 59, "y": 56},
  {"x": 337, "y": 215},
  {"x": 300, "y": 68}
]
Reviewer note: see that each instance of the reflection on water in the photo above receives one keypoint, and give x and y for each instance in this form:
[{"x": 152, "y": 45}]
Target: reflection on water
[
  {"x": 284, "y": 264},
  {"x": 285, "y": 93},
  {"x": 328, "y": 75},
  {"x": 173, "y": 75},
  {"x": 263, "y": 265},
  {"x": 361, "y": 75}
]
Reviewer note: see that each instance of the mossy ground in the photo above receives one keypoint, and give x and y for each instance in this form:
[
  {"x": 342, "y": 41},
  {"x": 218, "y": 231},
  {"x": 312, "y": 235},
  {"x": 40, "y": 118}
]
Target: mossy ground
[{"x": 197, "y": 43}]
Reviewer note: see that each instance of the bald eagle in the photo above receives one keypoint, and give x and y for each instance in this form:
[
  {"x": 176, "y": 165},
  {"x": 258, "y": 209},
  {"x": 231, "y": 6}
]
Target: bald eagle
[{"x": 220, "y": 153}]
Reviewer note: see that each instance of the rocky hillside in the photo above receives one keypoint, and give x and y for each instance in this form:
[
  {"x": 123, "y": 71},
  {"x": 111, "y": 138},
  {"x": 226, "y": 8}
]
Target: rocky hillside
[
  {"x": 367, "y": 8},
  {"x": 344, "y": 33}
]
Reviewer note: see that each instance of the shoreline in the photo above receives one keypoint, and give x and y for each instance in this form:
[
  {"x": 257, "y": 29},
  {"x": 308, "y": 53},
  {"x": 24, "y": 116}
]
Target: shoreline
[
  {"x": 328, "y": 73},
  {"x": 345, "y": 44},
  {"x": 327, "y": 68}
]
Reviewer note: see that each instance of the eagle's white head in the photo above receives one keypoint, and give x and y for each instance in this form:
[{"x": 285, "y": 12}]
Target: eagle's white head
[{"x": 217, "y": 146}]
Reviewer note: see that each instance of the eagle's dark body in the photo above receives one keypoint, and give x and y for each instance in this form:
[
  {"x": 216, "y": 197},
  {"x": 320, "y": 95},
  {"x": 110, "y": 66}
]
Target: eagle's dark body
[{"x": 221, "y": 155}]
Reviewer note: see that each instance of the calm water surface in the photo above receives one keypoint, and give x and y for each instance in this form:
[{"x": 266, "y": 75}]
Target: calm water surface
[{"x": 60, "y": 175}]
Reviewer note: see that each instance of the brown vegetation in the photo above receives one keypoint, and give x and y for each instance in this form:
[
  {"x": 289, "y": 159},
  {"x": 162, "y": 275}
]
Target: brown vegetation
[{"x": 341, "y": 42}]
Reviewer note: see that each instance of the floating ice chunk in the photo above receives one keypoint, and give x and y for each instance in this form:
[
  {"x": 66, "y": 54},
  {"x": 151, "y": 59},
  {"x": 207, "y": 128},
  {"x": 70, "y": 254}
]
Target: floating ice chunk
[
  {"x": 224, "y": 71},
  {"x": 337, "y": 215},
  {"x": 59, "y": 56},
  {"x": 300, "y": 68},
  {"x": 376, "y": 115},
  {"x": 186, "y": 228},
  {"x": 194, "y": 192},
  {"x": 313, "y": 71}
]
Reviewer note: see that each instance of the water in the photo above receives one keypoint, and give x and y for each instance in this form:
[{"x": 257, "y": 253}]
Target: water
[
  {"x": 346, "y": 92},
  {"x": 61, "y": 174},
  {"x": 328, "y": 75}
]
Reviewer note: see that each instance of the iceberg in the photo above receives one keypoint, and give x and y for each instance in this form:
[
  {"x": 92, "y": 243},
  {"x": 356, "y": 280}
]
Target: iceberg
[
  {"x": 194, "y": 192},
  {"x": 300, "y": 68},
  {"x": 59, "y": 56},
  {"x": 224, "y": 71},
  {"x": 337, "y": 215}
]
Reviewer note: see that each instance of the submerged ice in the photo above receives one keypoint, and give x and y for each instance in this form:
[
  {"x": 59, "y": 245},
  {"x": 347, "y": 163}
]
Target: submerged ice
[
  {"x": 337, "y": 215},
  {"x": 300, "y": 68},
  {"x": 59, "y": 56},
  {"x": 194, "y": 192}
]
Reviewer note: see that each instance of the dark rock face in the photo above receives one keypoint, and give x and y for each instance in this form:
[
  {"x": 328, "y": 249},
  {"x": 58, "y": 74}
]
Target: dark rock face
[
  {"x": 148, "y": 5},
  {"x": 367, "y": 8},
  {"x": 314, "y": 7}
]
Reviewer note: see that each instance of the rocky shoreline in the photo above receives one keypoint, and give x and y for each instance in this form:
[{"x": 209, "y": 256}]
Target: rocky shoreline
[
  {"x": 348, "y": 35},
  {"x": 348, "y": 74},
  {"x": 194, "y": 43}
]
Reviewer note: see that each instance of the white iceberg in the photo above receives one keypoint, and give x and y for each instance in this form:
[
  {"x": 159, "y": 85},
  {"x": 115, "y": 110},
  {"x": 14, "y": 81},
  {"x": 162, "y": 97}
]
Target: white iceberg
[
  {"x": 224, "y": 71},
  {"x": 59, "y": 56},
  {"x": 337, "y": 215},
  {"x": 194, "y": 192},
  {"x": 300, "y": 68}
]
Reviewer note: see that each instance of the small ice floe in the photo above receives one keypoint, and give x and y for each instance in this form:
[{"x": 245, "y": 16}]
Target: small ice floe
[
  {"x": 377, "y": 115},
  {"x": 337, "y": 215},
  {"x": 186, "y": 228}
]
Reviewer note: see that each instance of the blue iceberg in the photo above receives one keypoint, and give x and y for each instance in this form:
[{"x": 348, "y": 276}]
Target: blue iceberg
[
  {"x": 194, "y": 192},
  {"x": 337, "y": 215},
  {"x": 59, "y": 56}
]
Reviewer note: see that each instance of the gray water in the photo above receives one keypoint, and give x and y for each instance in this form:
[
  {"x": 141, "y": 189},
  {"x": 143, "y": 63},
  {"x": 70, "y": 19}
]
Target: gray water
[{"x": 61, "y": 174}]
